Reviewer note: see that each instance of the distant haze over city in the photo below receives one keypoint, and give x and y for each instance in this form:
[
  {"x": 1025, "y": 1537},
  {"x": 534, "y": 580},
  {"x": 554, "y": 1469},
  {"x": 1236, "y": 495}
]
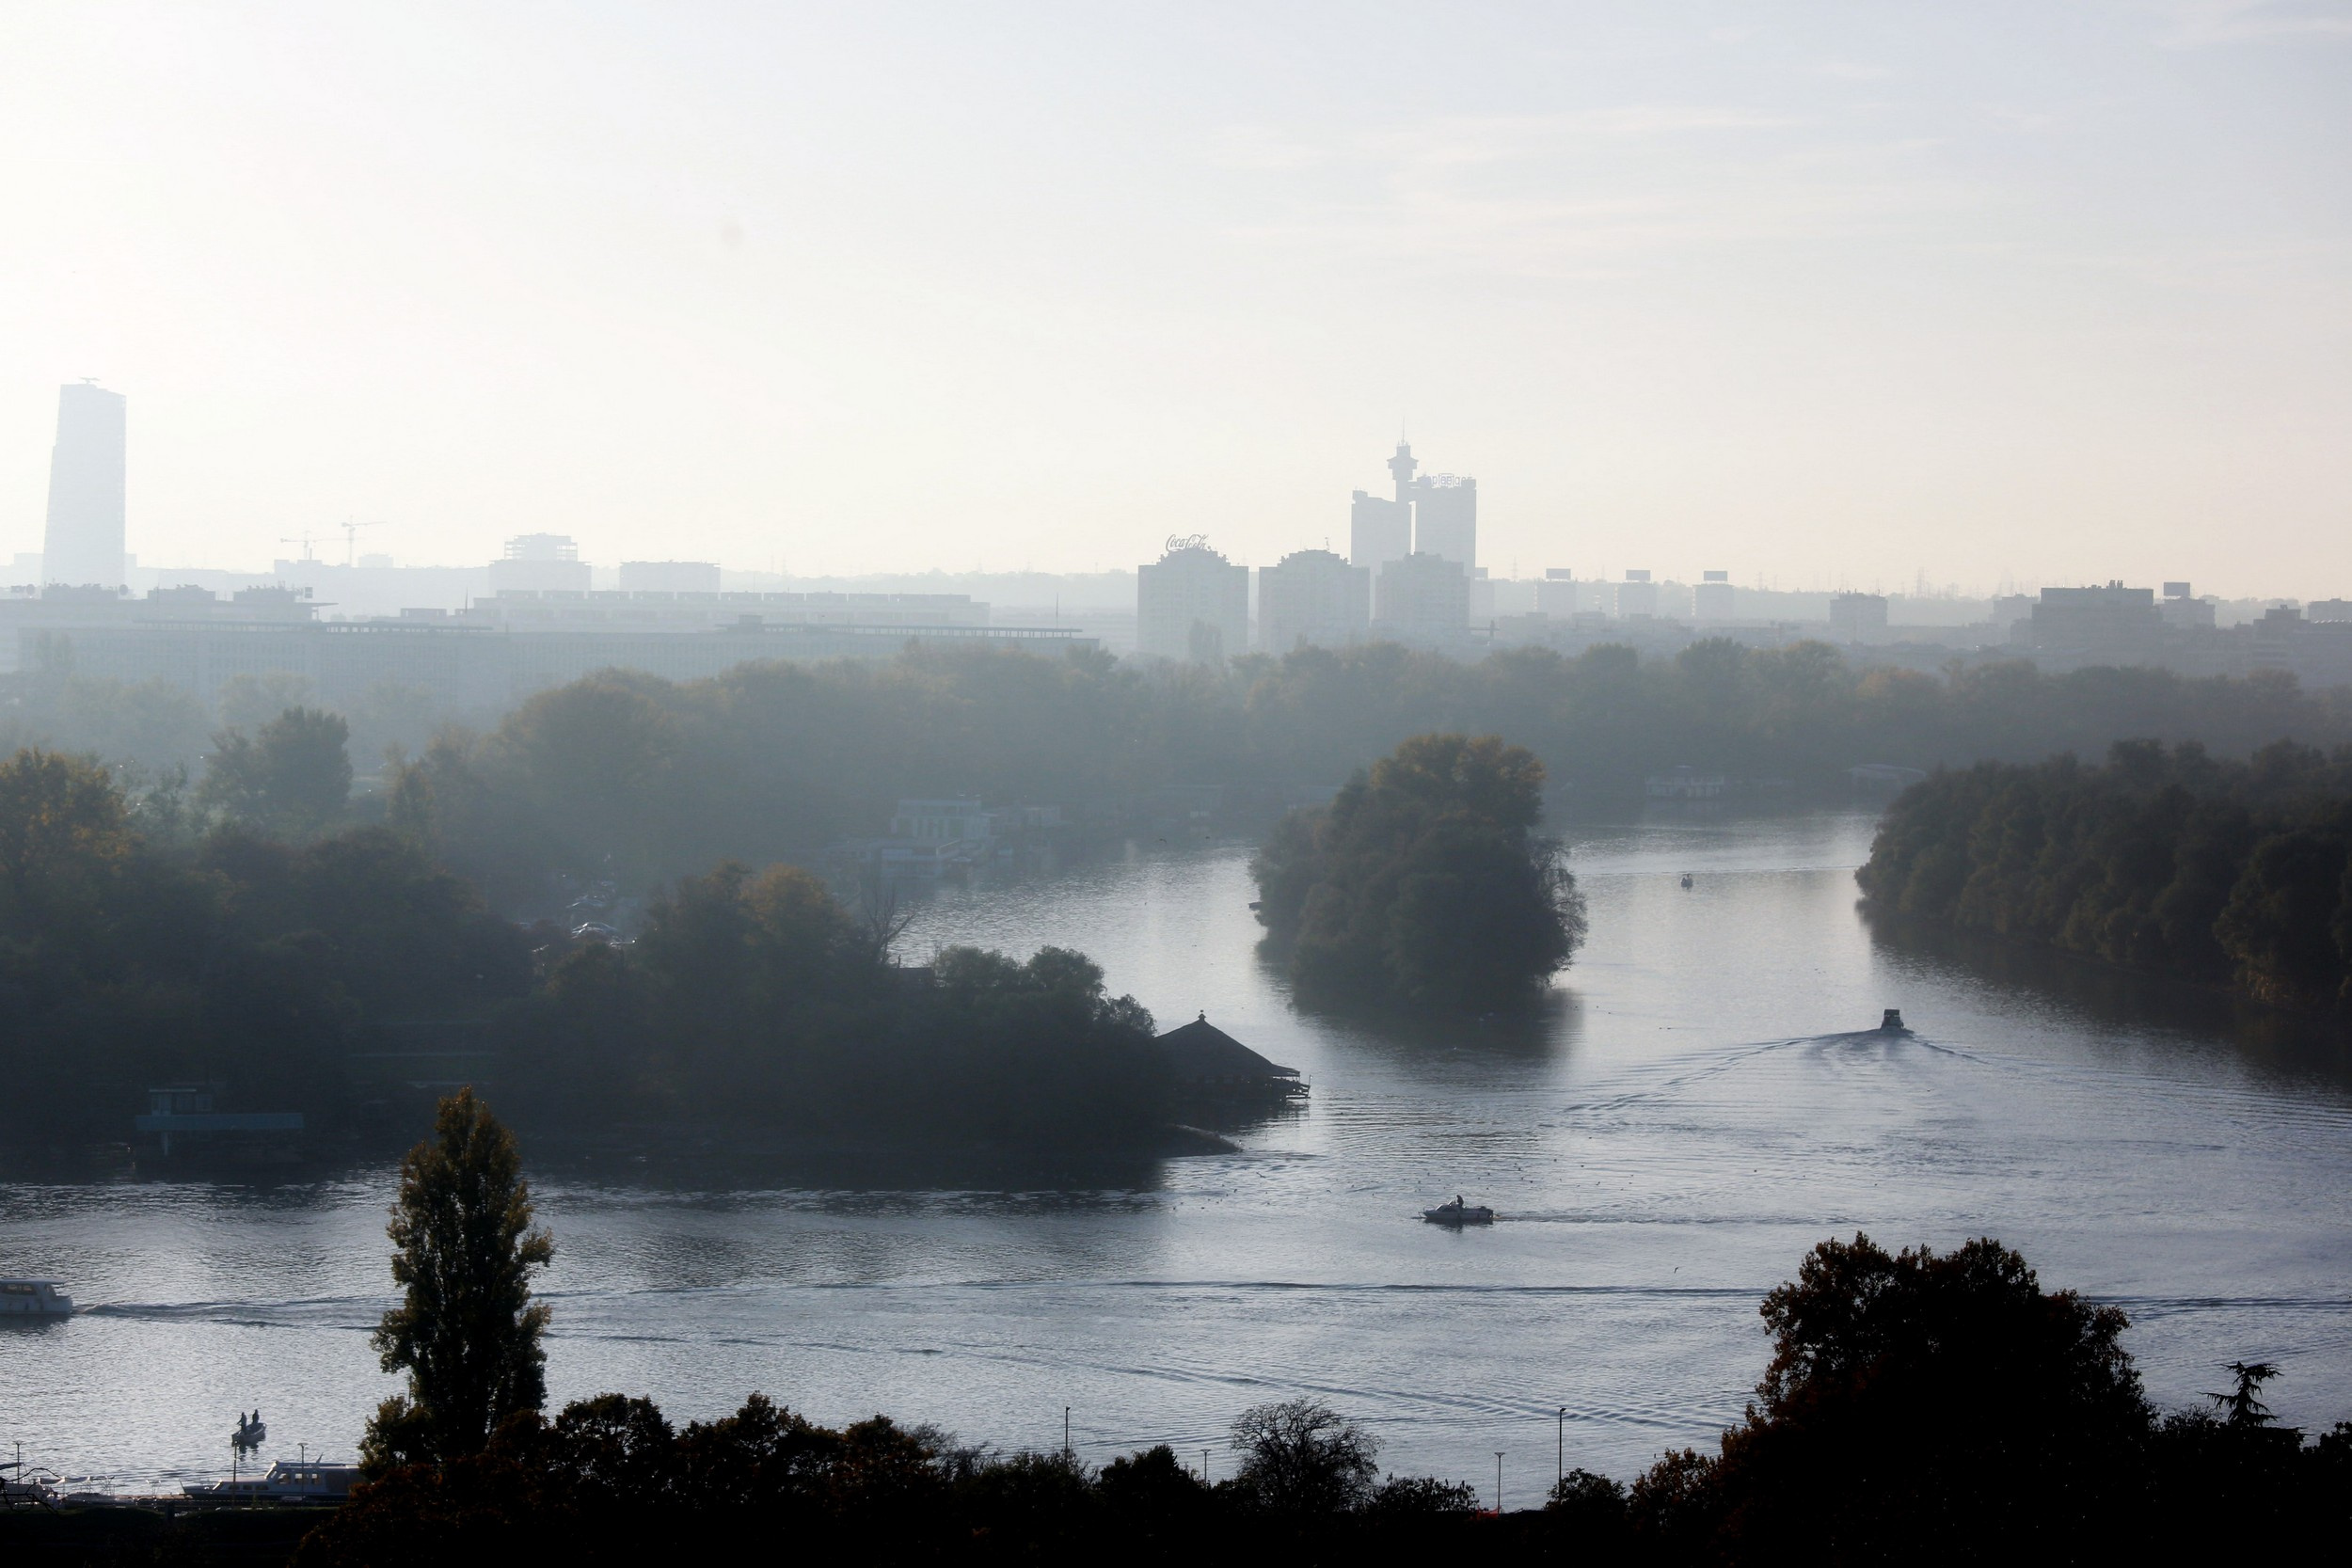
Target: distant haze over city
[{"x": 1825, "y": 297}]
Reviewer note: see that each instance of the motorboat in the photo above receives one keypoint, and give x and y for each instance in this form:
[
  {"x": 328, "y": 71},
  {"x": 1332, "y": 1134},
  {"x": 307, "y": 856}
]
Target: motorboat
[
  {"x": 34, "y": 1298},
  {"x": 1459, "y": 1213},
  {"x": 289, "y": 1481}
]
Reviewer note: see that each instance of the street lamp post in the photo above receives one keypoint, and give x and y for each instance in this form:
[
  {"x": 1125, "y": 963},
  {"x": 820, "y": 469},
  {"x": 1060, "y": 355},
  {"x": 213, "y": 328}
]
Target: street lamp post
[
  {"x": 1498, "y": 1483},
  {"x": 1559, "y": 1437}
]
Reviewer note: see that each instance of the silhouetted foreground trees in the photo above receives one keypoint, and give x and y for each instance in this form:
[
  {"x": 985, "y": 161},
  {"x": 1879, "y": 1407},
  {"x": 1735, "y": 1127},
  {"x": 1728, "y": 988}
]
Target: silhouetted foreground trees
[
  {"x": 1918, "y": 1408},
  {"x": 645, "y": 780},
  {"x": 2231, "y": 872},
  {"x": 1424, "y": 881}
]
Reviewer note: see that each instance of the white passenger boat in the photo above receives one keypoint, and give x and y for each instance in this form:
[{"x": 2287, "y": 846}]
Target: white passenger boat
[
  {"x": 289, "y": 1481},
  {"x": 34, "y": 1298}
]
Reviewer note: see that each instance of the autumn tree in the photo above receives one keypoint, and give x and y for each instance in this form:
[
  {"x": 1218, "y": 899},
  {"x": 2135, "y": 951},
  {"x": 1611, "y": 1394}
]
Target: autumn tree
[
  {"x": 466, "y": 1331},
  {"x": 1918, "y": 1405}
]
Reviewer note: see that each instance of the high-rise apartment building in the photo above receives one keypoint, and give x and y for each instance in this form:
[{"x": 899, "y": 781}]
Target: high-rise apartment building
[
  {"x": 1711, "y": 598},
  {"x": 1313, "y": 598},
  {"x": 1555, "y": 596},
  {"x": 1192, "y": 604},
  {"x": 1637, "y": 596},
  {"x": 84, "y": 543},
  {"x": 1853, "y": 616},
  {"x": 1424, "y": 596}
]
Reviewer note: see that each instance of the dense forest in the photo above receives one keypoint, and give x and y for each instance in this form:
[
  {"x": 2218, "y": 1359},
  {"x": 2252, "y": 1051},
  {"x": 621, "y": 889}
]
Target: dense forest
[
  {"x": 1422, "y": 882},
  {"x": 2234, "y": 873},
  {"x": 645, "y": 780},
  {"x": 142, "y": 946}
]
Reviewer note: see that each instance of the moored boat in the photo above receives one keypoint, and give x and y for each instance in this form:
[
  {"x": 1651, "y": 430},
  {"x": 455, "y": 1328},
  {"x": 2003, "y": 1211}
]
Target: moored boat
[
  {"x": 21, "y": 1487},
  {"x": 308, "y": 1481}
]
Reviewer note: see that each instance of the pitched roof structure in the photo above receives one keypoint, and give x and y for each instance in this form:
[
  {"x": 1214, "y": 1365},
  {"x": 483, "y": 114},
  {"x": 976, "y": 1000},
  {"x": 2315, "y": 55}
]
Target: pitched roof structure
[{"x": 1201, "y": 1052}]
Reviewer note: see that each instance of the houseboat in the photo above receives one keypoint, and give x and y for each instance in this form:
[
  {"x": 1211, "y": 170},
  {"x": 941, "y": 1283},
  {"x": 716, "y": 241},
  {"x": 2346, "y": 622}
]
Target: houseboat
[{"x": 308, "y": 1481}]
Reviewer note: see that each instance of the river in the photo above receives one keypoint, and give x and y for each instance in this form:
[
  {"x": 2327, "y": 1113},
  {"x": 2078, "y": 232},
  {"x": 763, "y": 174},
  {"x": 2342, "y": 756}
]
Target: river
[{"x": 1688, "y": 1116}]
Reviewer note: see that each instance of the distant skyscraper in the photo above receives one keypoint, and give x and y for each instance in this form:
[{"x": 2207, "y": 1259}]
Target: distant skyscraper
[
  {"x": 1445, "y": 518},
  {"x": 1435, "y": 514},
  {"x": 1379, "y": 531},
  {"x": 86, "y": 489},
  {"x": 1314, "y": 597},
  {"x": 1192, "y": 604}
]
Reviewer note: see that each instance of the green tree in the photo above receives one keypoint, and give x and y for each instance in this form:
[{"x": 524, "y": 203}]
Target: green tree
[
  {"x": 1423, "y": 882},
  {"x": 2276, "y": 927},
  {"x": 291, "y": 780},
  {"x": 466, "y": 1331}
]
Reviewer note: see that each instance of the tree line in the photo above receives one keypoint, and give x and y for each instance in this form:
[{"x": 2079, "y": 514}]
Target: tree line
[
  {"x": 646, "y": 778},
  {"x": 2235, "y": 873},
  {"x": 1917, "y": 1407},
  {"x": 772, "y": 762},
  {"x": 131, "y": 956}
]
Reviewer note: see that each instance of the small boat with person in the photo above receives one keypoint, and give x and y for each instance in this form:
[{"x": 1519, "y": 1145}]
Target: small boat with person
[{"x": 1459, "y": 1213}]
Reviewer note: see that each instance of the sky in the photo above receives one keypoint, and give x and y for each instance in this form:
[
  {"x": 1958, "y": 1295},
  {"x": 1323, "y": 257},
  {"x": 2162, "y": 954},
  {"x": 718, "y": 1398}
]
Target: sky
[{"x": 1860, "y": 296}]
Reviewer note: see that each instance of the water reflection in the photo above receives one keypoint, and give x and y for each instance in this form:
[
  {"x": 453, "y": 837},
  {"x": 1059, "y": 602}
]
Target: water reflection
[{"x": 2295, "y": 1047}]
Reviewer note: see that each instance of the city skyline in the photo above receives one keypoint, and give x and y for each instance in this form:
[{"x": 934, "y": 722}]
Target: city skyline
[{"x": 1819, "y": 294}]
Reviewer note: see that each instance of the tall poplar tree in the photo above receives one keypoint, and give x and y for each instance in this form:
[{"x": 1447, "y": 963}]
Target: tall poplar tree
[{"x": 466, "y": 1331}]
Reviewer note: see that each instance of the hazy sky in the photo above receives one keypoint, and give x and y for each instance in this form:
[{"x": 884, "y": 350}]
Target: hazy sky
[{"x": 1832, "y": 294}]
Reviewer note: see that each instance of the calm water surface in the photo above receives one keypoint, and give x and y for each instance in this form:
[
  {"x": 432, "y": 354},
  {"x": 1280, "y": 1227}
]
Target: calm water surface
[{"x": 1686, "y": 1120}]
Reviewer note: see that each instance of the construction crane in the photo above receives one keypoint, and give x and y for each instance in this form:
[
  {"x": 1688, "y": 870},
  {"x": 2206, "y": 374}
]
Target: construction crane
[
  {"x": 302, "y": 539},
  {"x": 351, "y": 541}
]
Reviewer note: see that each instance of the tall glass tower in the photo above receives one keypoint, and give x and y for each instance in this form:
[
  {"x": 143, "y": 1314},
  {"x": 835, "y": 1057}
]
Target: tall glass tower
[{"x": 86, "y": 489}]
